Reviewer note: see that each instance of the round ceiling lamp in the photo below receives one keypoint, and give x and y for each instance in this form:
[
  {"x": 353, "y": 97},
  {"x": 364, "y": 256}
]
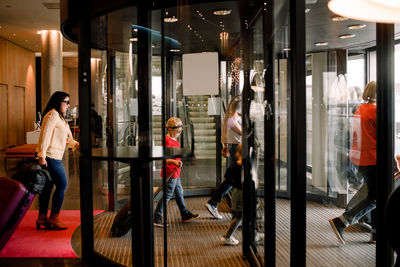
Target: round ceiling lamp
[
  {"x": 356, "y": 26},
  {"x": 381, "y": 11},
  {"x": 170, "y": 19},
  {"x": 222, "y": 12}
]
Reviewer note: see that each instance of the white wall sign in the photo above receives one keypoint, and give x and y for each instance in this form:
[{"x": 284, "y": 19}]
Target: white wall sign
[{"x": 200, "y": 73}]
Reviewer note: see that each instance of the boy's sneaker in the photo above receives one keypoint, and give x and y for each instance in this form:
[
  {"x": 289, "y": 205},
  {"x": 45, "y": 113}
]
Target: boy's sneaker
[
  {"x": 338, "y": 227},
  {"x": 158, "y": 221},
  {"x": 229, "y": 241},
  {"x": 213, "y": 211},
  {"x": 189, "y": 217}
]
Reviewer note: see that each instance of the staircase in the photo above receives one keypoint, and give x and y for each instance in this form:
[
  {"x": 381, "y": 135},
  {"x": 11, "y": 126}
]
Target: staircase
[
  {"x": 157, "y": 138},
  {"x": 204, "y": 127}
]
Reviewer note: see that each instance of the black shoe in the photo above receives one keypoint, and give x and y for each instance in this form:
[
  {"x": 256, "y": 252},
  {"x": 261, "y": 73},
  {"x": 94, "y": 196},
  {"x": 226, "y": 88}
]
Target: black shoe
[
  {"x": 372, "y": 240},
  {"x": 189, "y": 217},
  {"x": 338, "y": 227},
  {"x": 158, "y": 221}
]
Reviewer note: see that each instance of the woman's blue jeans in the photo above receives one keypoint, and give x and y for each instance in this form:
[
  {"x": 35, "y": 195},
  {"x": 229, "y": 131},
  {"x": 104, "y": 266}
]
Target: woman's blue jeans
[
  {"x": 364, "y": 200},
  {"x": 173, "y": 187},
  {"x": 59, "y": 179}
]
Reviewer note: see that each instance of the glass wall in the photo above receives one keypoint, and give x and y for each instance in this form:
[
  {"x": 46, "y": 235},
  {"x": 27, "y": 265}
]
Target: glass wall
[
  {"x": 336, "y": 78},
  {"x": 189, "y": 61}
]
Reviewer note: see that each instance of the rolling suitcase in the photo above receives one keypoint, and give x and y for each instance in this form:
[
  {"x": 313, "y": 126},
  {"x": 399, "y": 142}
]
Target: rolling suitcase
[
  {"x": 15, "y": 200},
  {"x": 123, "y": 220}
]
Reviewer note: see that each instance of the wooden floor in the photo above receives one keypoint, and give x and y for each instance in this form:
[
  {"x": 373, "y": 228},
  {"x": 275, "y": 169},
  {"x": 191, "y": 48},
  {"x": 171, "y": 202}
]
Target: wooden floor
[{"x": 197, "y": 243}]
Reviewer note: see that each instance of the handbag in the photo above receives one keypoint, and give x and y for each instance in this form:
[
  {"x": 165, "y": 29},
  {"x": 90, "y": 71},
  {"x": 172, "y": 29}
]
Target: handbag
[{"x": 33, "y": 176}]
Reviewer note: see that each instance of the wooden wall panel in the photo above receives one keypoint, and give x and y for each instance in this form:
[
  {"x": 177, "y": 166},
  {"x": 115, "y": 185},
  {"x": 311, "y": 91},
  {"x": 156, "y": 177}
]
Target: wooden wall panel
[
  {"x": 19, "y": 115},
  {"x": 17, "y": 73},
  {"x": 70, "y": 84},
  {"x": 3, "y": 61},
  {"x": 3, "y": 116}
]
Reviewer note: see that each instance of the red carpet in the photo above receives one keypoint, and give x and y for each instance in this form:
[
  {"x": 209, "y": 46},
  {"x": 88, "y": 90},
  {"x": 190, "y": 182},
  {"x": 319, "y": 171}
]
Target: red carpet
[{"x": 27, "y": 242}]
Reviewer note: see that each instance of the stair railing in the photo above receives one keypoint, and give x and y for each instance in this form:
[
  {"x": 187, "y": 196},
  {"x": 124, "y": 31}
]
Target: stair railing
[{"x": 188, "y": 126}]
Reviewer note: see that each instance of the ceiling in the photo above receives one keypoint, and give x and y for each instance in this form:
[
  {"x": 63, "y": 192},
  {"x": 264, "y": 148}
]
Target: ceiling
[{"x": 20, "y": 20}]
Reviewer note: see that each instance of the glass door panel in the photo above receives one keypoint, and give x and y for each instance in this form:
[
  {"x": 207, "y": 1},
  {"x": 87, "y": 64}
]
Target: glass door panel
[{"x": 336, "y": 78}]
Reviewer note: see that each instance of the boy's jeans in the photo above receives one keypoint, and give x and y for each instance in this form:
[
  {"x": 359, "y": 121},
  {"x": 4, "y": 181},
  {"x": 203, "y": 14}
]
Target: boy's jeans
[{"x": 173, "y": 186}]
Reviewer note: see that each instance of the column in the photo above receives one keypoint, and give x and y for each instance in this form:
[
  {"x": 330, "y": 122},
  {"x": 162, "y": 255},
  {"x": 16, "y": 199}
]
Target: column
[{"x": 51, "y": 65}]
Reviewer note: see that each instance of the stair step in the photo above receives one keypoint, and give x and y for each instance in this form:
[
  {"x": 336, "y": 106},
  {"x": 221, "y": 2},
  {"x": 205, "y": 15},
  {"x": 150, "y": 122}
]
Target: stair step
[
  {"x": 208, "y": 125},
  {"x": 196, "y": 102},
  {"x": 202, "y": 119},
  {"x": 198, "y": 114},
  {"x": 202, "y": 108},
  {"x": 206, "y": 132},
  {"x": 205, "y": 146},
  {"x": 204, "y": 138},
  {"x": 156, "y": 118},
  {"x": 204, "y": 154}
]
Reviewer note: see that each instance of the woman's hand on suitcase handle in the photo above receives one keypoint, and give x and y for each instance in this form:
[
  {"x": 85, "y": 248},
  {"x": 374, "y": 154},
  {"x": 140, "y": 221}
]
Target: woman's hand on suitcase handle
[{"x": 42, "y": 161}]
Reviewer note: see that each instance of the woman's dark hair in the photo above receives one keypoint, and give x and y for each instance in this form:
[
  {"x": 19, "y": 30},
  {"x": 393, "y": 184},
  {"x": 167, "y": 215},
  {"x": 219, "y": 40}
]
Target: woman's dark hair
[{"x": 55, "y": 102}]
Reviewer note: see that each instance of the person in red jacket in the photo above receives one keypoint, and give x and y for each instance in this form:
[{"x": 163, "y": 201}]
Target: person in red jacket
[
  {"x": 174, "y": 126},
  {"x": 363, "y": 156}
]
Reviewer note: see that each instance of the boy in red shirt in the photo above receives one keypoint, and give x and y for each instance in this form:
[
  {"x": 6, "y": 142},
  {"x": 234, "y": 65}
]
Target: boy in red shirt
[{"x": 174, "y": 126}]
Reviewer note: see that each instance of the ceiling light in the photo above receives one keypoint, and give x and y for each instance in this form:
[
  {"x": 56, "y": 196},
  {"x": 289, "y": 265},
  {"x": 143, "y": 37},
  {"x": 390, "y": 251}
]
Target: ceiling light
[
  {"x": 382, "y": 11},
  {"x": 222, "y": 12},
  {"x": 307, "y": 10},
  {"x": 135, "y": 29},
  {"x": 286, "y": 49},
  {"x": 321, "y": 43},
  {"x": 346, "y": 36},
  {"x": 339, "y": 18},
  {"x": 171, "y": 19},
  {"x": 356, "y": 26},
  {"x": 133, "y": 39},
  {"x": 388, "y": 3},
  {"x": 174, "y": 50}
]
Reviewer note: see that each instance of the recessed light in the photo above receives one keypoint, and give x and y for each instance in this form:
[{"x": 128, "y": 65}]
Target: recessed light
[
  {"x": 133, "y": 39},
  {"x": 171, "y": 19},
  {"x": 222, "y": 12},
  {"x": 346, "y": 36},
  {"x": 174, "y": 50},
  {"x": 356, "y": 26},
  {"x": 339, "y": 18},
  {"x": 321, "y": 43}
]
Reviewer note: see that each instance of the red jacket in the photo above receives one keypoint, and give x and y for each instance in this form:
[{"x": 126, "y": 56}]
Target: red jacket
[{"x": 363, "y": 149}]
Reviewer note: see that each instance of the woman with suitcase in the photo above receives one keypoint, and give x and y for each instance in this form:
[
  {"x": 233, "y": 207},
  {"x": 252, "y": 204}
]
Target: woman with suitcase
[{"x": 55, "y": 134}]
